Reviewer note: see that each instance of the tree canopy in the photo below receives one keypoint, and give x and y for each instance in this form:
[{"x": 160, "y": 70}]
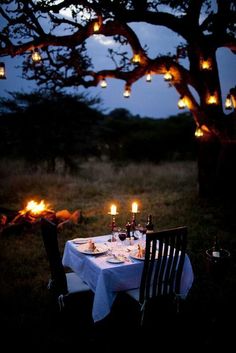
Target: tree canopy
[{"x": 59, "y": 31}]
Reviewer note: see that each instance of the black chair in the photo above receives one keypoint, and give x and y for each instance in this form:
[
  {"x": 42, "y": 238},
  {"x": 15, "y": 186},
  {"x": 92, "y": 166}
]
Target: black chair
[
  {"x": 62, "y": 284},
  {"x": 162, "y": 270}
]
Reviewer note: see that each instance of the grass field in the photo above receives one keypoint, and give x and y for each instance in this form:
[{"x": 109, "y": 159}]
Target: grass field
[{"x": 168, "y": 191}]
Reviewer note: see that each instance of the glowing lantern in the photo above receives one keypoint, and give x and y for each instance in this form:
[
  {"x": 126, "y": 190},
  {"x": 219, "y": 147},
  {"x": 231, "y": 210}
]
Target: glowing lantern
[
  {"x": 182, "y": 103},
  {"x": 149, "y": 77},
  {"x": 168, "y": 76},
  {"x": 103, "y": 83},
  {"x": 36, "y": 57},
  {"x": 2, "y": 71},
  {"x": 136, "y": 58},
  {"x": 96, "y": 27},
  {"x": 228, "y": 102},
  {"x": 127, "y": 91},
  {"x": 199, "y": 132},
  {"x": 212, "y": 99},
  {"x": 205, "y": 64}
]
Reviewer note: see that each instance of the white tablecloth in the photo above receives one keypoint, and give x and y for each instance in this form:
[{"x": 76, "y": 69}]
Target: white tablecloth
[{"x": 106, "y": 279}]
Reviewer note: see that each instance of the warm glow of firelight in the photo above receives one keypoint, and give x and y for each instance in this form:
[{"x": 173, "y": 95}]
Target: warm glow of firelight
[{"x": 34, "y": 207}]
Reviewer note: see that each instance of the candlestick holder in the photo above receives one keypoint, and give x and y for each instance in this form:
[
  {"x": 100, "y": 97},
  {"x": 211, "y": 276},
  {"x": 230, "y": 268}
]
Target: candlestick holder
[
  {"x": 133, "y": 223},
  {"x": 113, "y": 225}
]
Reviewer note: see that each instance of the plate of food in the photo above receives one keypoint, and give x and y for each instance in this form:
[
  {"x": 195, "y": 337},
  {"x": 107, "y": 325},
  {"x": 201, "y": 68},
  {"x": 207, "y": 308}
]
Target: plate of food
[
  {"x": 92, "y": 248},
  {"x": 138, "y": 253}
]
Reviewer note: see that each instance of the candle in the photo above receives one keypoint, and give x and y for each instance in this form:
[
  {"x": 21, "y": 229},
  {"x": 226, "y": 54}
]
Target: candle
[
  {"x": 113, "y": 210},
  {"x": 134, "y": 207}
]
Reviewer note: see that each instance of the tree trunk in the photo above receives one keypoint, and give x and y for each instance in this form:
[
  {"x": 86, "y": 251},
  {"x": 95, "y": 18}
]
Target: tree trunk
[{"x": 217, "y": 168}]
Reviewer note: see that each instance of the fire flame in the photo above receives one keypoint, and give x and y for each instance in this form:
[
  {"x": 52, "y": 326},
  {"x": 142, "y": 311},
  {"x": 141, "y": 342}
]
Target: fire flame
[{"x": 35, "y": 208}]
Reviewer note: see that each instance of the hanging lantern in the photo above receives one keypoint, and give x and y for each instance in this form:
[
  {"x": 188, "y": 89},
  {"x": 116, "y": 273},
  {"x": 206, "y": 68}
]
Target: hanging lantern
[
  {"x": 182, "y": 103},
  {"x": 127, "y": 91},
  {"x": 149, "y": 77},
  {"x": 103, "y": 83},
  {"x": 198, "y": 132},
  {"x": 2, "y": 71},
  {"x": 136, "y": 58},
  {"x": 206, "y": 64},
  {"x": 168, "y": 76},
  {"x": 212, "y": 99},
  {"x": 228, "y": 102},
  {"x": 36, "y": 57},
  {"x": 96, "y": 27}
]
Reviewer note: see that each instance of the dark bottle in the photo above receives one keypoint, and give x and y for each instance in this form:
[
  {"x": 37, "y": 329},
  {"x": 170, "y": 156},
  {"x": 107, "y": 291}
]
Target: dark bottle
[
  {"x": 216, "y": 248},
  {"x": 149, "y": 224},
  {"x": 128, "y": 229}
]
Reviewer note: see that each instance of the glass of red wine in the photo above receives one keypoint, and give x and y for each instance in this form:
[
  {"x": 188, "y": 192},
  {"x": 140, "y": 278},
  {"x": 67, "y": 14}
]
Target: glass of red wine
[{"x": 122, "y": 235}]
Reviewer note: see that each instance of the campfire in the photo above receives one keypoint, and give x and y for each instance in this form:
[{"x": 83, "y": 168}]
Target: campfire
[{"x": 33, "y": 212}]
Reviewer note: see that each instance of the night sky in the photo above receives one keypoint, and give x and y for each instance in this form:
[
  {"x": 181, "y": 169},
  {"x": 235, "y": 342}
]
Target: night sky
[{"x": 156, "y": 99}]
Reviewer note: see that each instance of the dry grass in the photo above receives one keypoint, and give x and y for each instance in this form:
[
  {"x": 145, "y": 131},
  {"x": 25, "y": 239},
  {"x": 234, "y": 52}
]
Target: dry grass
[{"x": 168, "y": 191}]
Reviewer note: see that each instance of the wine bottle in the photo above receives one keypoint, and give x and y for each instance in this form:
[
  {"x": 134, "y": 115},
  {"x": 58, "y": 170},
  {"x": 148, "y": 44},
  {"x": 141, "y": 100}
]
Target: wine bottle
[
  {"x": 216, "y": 248},
  {"x": 149, "y": 224},
  {"x": 128, "y": 229}
]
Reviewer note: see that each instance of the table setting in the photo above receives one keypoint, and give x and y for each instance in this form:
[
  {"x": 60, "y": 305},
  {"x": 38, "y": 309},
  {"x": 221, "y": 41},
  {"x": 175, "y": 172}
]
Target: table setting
[{"x": 113, "y": 262}]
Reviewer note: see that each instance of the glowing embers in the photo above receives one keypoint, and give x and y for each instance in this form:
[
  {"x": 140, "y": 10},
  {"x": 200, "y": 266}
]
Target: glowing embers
[
  {"x": 35, "y": 208},
  {"x": 2, "y": 71}
]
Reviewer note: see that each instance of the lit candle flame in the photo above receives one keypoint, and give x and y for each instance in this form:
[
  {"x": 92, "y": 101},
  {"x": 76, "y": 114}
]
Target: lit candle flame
[
  {"x": 113, "y": 210},
  {"x": 134, "y": 207}
]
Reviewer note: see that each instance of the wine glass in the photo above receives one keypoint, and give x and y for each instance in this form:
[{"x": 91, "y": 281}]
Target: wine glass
[
  {"x": 122, "y": 235},
  {"x": 141, "y": 233}
]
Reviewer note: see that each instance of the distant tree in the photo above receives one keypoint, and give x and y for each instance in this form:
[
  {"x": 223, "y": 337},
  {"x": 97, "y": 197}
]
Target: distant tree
[
  {"x": 60, "y": 30},
  {"x": 131, "y": 138},
  {"x": 41, "y": 127}
]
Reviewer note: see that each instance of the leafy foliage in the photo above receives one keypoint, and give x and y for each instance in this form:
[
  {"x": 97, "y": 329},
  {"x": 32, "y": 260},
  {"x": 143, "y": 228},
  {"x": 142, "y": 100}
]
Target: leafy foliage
[{"x": 45, "y": 128}]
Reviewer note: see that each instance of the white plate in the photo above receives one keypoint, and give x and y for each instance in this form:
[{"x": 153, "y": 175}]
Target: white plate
[
  {"x": 80, "y": 241},
  {"x": 115, "y": 260},
  {"x": 133, "y": 255},
  {"x": 100, "y": 249}
]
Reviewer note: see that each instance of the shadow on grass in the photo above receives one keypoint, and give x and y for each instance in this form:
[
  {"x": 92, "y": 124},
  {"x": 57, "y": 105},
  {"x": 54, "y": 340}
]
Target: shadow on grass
[{"x": 204, "y": 321}]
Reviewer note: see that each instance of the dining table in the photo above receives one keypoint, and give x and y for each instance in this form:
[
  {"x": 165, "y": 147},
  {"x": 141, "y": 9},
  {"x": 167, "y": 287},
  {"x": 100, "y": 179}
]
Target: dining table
[{"x": 112, "y": 268}]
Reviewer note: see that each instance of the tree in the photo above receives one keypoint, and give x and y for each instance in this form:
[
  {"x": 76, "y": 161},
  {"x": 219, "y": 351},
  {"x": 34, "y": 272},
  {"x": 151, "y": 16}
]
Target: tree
[
  {"x": 60, "y": 29},
  {"x": 46, "y": 128}
]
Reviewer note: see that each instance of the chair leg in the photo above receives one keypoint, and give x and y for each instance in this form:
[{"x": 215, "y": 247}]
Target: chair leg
[
  {"x": 61, "y": 303},
  {"x": 142, "y": 312},
  {"x": 177, "y": 302}
]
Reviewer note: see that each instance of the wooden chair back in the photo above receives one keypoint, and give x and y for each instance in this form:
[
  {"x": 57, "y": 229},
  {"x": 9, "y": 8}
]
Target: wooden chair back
[
  {"x": 163, "y": 264},
  {"x": 58, "y": 281}
]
